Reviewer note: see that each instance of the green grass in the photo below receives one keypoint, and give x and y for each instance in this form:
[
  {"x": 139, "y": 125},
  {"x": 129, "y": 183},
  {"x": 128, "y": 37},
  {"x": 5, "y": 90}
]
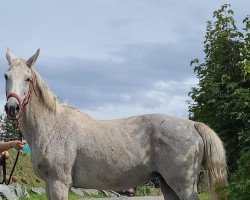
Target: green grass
[
  {"x": 23, "y": 170},
  {"x": 203, "y": 196}
]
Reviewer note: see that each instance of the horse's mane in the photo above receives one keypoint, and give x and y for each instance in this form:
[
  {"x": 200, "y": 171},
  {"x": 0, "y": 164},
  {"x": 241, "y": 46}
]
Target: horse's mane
[{"x": 48, "y": 98}]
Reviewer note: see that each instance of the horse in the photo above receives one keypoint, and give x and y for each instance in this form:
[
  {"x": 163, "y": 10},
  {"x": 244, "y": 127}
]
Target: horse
[{"x": 71, "y": 149}]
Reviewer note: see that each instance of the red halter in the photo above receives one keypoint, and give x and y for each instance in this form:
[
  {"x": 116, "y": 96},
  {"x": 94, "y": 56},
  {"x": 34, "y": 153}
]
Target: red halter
[{"x": 27, "y": 97}]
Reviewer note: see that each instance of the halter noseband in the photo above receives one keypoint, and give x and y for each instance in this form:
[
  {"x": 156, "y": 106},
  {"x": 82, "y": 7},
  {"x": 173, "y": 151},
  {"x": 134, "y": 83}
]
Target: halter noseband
[{"x": 27, "y": 97}]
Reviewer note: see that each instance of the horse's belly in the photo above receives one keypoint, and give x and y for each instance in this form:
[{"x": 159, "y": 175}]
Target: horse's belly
[{"x": 115, "y": 177}]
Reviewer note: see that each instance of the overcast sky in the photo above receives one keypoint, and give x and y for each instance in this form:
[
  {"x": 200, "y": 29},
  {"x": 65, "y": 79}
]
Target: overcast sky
[{"x": 112, "y": 58}]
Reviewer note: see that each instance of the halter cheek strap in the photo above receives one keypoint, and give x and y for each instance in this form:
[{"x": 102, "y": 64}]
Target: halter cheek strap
[{"x": 27, "y": 97}]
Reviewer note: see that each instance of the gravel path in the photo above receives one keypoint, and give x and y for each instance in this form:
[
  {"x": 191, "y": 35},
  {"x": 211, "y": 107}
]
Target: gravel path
[{"x": 130, "y": 198}]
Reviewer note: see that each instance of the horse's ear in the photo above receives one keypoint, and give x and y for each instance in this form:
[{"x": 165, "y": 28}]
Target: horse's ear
[
  {"x": 31, "y": 61},
  {"x": 9, "y": 55}
]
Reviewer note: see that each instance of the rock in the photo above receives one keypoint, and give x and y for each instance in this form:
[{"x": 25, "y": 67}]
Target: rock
[
  {"x": 77, "y": 191},
  {"x": 93, "y": 191},
  {"x": 21, "y": 190},
  {"x": 90, "y": 192},
  {"x": 38, "y": 190},
  {"x": 85, "y": 192},
  {"x": 8, "y": 192},
  {"x": 114, "y": 194},
  {"x": 105, "y": 193}
]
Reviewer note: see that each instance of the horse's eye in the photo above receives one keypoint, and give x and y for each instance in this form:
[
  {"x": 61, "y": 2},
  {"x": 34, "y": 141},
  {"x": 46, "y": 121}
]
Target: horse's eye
[
  {"x": 5, "y": 76},
  {"x": 28, "y": 79}
]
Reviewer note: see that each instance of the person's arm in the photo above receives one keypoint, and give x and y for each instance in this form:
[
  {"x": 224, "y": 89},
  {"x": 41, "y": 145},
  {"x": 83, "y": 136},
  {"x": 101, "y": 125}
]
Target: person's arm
[{"x": 4, "y": 146}]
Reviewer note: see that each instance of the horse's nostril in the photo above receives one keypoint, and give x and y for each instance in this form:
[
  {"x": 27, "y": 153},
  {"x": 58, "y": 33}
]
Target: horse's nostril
[{"x": 17, "y": 108}]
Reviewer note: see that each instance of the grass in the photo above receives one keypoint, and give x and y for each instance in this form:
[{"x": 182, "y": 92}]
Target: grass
[{"x": 23, "y": 173}]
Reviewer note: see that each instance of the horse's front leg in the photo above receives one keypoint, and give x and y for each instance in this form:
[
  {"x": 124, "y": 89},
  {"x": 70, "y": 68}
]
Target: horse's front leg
[{"x": 57, "y": 190}]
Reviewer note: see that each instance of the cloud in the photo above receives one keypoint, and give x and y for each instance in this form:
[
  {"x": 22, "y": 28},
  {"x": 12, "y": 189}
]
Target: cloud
[
  {"x": 112, "y": 58},
  {"x": 164, "y": 97},
  {"x": 139, "y": 78},
  {"x": 83, "y": 82}
]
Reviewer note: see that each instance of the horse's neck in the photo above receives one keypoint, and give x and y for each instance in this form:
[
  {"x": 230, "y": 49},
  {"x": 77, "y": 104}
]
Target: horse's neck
[{"x": 35, "y": 120}]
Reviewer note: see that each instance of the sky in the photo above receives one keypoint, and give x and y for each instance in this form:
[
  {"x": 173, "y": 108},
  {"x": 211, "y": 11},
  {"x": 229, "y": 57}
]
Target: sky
[{"x": 112, "y": 58}]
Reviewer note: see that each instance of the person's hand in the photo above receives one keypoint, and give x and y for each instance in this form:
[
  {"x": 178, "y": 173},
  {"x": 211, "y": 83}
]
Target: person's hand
[{"x": 18, "y": 145}]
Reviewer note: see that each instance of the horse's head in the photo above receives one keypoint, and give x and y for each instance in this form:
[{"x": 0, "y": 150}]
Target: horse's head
[{"x": 18, "y": 83}]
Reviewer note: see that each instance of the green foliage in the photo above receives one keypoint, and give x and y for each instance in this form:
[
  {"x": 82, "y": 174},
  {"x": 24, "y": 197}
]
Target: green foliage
[
  {"x": 143, "y": 191},
  {"x": 222, "y": 97},
  {"x": 203, "y": 196},
  {"x": 239, "y": 188},
  {"x": 8, "y": 129}
]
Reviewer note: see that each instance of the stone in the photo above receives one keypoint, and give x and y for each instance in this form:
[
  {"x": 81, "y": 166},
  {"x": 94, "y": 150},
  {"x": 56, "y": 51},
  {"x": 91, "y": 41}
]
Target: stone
[
  {"x": 105, "y": 193},
  {"x": 85, "y": 192},
  {"x": 93, "y": 191},
  {"x": 8, "y": 192},
  {"x": 20, "y": 190},
  {"x": 114, "y": 194},
  {"x": 77, "y": 191},
  {"x": 90, "y": 192},
  {"x": 38, "y": 190}
]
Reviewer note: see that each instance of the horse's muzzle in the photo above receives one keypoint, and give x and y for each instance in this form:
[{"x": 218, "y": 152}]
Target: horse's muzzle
[{"x": 12, "y": 110}]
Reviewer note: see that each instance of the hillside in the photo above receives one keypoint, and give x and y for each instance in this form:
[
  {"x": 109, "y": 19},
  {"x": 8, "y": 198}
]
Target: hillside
[{"x": 23, "y": 173}]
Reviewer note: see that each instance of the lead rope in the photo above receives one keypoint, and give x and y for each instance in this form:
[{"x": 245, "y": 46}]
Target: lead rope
[{"x": 7, "y": 182}]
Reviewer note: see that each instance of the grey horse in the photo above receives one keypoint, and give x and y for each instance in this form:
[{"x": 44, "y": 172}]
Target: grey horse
[{"x": 69, "y": 148}]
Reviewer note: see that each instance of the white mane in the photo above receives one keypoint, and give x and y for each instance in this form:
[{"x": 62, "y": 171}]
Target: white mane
[{"x": 48, "y": 98}]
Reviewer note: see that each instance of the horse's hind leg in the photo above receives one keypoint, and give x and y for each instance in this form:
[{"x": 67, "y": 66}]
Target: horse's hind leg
[
  {"x": 184, "y": 184},
  {"x": 187, "y": 193},
  {"x": 184, "y": 193},
  {"x": 166, "y": 190}
]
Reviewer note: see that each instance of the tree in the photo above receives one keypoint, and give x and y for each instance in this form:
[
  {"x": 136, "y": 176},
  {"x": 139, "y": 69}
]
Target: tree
[
  {"x": 222, "y": 97},
  {"x": 8, "y": 129}
]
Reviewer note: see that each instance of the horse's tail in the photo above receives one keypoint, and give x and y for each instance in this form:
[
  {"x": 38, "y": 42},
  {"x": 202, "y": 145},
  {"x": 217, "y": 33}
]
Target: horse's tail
[{"x": 215, "y": 158}]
